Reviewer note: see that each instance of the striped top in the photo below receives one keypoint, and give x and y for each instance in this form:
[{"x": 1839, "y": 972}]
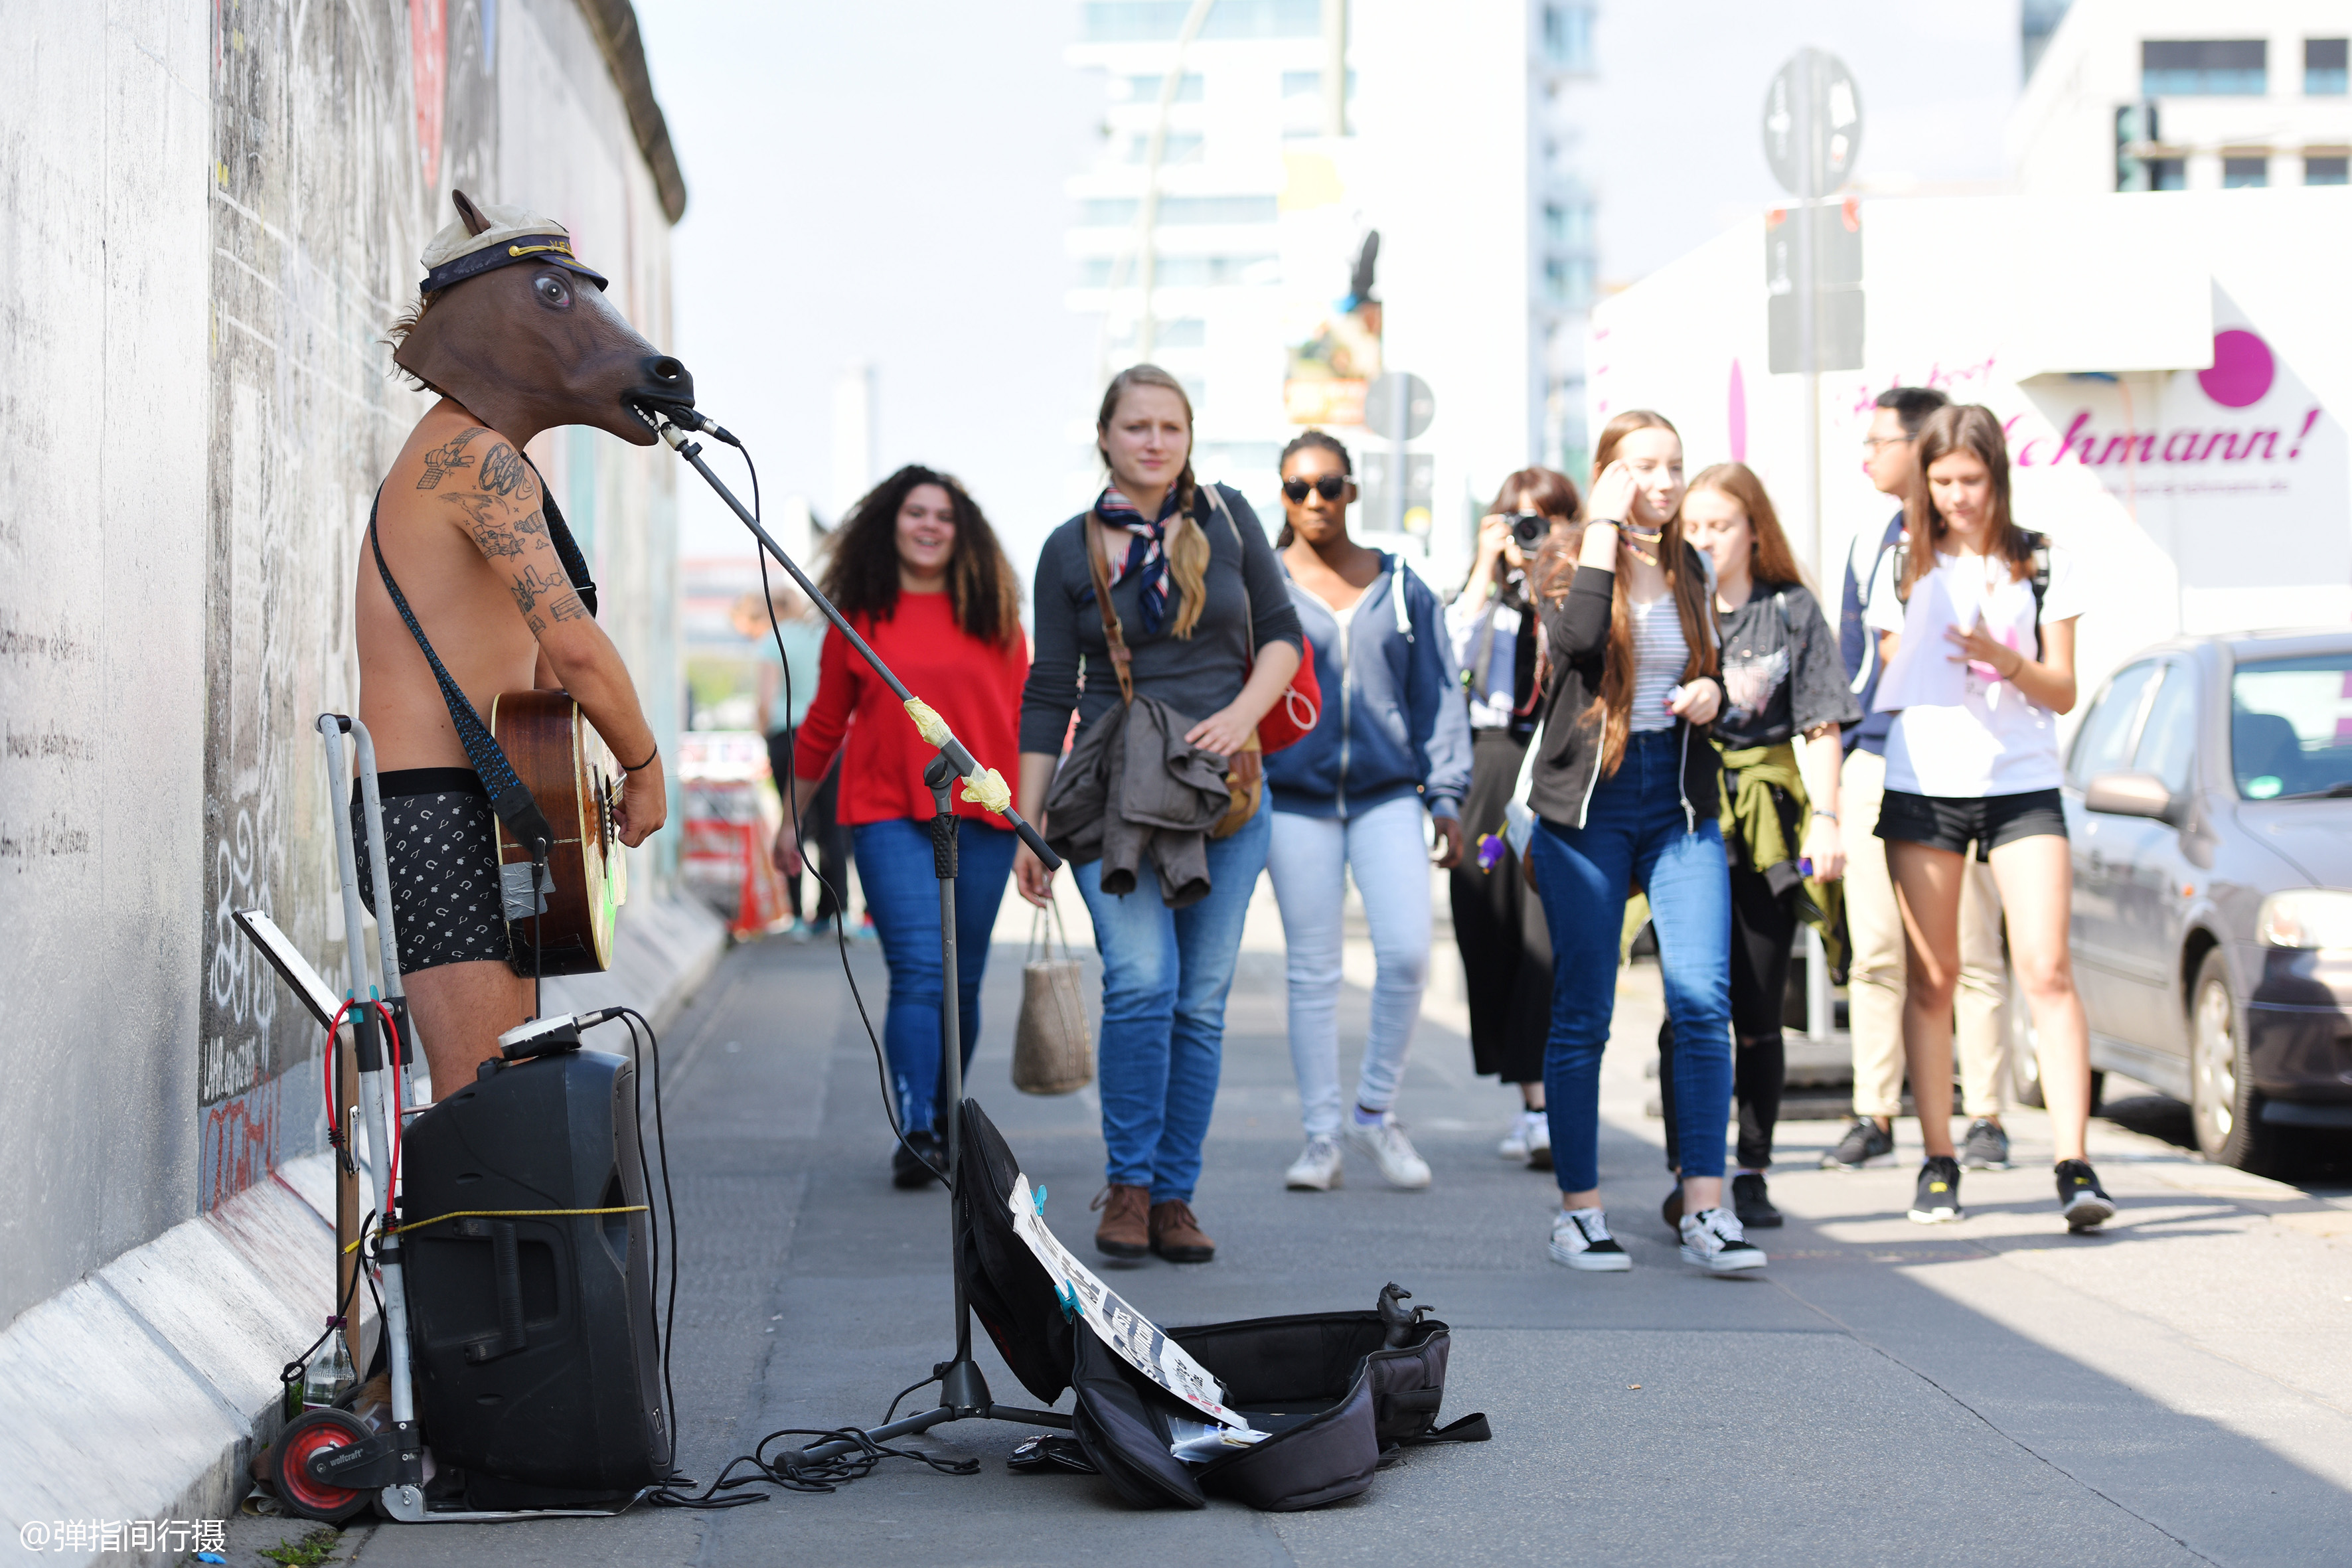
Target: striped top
[{"x": 1660, "y": 655}]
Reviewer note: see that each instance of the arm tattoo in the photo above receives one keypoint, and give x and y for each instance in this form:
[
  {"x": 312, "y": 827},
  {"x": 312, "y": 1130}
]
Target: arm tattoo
[
  {"x": 504, "y": 472},
  {"x": 566, "y": 605},
  {"x": 486, "y": 521},
  {"x": 447, "y": 458},
  {"x": 530, "y": 587}
]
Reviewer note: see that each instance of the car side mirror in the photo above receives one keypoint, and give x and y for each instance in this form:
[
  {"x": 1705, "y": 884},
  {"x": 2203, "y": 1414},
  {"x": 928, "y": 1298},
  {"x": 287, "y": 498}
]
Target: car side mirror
[{"x": 2129, "y": 794}]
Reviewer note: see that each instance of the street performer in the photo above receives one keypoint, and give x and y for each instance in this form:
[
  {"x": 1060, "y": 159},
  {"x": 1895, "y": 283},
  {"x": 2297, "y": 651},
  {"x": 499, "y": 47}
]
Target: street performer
[{"x": 509, "y": 333}]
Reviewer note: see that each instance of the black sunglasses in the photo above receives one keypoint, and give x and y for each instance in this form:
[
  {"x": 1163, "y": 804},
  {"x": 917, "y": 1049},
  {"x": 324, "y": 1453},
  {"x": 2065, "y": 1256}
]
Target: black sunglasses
[{"x": 1328, "y": 487}]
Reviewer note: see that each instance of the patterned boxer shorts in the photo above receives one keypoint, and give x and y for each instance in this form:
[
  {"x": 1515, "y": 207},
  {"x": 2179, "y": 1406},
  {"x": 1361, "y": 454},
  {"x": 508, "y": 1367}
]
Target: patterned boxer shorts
[{"x": 440, "y": 837}]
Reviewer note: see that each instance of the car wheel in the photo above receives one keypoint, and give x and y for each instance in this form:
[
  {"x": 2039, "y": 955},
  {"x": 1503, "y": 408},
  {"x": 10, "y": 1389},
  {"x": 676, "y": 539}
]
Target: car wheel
[{"x": 2222, "y": 1098}]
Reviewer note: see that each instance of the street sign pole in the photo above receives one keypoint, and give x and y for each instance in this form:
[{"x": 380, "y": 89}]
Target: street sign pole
[
  {"x": 1809, "y": 131},
  {"x": 1399, "y": 412}
]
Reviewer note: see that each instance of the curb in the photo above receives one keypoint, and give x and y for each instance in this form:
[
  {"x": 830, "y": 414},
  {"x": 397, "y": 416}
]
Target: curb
[{"x": 142, "y": 1389}]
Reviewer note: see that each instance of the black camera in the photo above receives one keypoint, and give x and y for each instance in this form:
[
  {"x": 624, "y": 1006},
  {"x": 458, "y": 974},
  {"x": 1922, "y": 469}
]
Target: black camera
[{"x": 1528, "y": 527}]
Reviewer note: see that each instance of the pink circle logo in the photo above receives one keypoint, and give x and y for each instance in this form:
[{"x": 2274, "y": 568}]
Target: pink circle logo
[{"x": 2243, "y": 369}]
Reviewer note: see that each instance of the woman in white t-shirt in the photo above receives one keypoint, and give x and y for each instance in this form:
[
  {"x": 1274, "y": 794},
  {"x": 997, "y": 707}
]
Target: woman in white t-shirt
[{"x": 1980, "y": 640}]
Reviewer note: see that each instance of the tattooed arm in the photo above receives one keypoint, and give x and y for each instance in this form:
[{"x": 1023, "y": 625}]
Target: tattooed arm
[{"x": 491, "y": 493}]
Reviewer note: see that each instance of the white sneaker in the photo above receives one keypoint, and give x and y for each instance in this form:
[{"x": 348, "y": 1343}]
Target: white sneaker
[
  {"x": 1317, "y": 1169},
  {"x": 1385, "y": 1142},
  {"x": 1581, "y": 1239},
  {"x": 1712, "y": 1239},
  {"x": 1529, "y": 1141}
]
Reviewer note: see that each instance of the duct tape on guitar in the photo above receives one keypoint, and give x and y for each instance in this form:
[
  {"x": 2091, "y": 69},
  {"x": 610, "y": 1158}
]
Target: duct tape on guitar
[{"x": 1136, "y": 1339}]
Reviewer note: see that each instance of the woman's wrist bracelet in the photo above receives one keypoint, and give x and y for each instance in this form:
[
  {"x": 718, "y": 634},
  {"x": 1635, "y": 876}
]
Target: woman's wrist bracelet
[
  {"x": 646, "y": 763},
  {"x": 1821, "y": 816}
]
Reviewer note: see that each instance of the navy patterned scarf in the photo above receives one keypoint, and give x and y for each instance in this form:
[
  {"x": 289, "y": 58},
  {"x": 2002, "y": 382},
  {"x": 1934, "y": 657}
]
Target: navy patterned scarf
[{"x": 1147, "y": 550}]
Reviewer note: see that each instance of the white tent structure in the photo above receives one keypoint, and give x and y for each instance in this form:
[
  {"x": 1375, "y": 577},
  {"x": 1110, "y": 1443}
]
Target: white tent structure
[{"x": 2174, "y": 371}]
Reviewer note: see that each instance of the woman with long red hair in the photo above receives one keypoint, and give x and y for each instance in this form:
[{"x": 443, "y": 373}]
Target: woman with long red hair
[{"x": 1623, "y": 790}]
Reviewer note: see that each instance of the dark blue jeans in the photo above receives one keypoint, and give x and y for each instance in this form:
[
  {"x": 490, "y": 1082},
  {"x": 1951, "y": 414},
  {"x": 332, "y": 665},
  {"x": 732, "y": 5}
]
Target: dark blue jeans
[
  {"x": 1635, "y": 835},
  {"x": 894, "y": 867}
]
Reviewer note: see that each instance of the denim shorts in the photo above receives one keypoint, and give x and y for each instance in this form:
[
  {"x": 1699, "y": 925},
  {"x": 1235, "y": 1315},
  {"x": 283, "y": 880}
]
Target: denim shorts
[{"x": 1954, "y": 822}]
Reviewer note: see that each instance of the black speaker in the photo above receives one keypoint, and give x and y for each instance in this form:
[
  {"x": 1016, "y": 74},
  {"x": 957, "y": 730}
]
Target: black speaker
[{"x": 538, "y": 1366}]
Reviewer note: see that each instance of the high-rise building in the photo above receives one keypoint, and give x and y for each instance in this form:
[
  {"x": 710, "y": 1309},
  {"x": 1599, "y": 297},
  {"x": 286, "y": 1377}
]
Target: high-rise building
[{"x": 1439, "y": 133}]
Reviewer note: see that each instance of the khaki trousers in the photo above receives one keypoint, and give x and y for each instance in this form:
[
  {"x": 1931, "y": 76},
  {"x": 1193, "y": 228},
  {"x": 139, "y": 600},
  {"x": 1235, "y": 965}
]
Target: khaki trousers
[{"x": 1874, "y": 989}]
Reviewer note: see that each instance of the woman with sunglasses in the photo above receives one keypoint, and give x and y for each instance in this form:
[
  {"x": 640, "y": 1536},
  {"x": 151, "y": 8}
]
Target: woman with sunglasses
[{"x": 1392, "y": 740}]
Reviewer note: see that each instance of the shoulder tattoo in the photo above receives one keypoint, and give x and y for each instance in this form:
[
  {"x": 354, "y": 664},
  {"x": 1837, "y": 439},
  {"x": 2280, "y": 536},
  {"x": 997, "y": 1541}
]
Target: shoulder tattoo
[{"x": 447, "y": 458}]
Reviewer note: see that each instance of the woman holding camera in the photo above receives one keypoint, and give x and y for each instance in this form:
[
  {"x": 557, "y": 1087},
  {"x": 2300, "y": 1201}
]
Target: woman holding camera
[
  {"x": 1623, "y": 791},
  {"x": 1498, "y": 922},
  {"x": 1390, "y": 741},
  {"x": 1981, "y": 614}
]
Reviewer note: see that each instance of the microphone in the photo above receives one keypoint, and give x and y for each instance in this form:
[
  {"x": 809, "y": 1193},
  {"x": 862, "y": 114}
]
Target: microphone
[{"x": 685, "y": 418}]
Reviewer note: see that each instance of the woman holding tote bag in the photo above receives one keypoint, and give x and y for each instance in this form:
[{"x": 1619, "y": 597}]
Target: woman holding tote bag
[{"x": 1205, "y": 619}]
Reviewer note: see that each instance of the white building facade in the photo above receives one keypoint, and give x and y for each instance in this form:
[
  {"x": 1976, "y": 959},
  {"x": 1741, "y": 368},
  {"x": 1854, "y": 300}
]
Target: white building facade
[{"x": 2166, "y": 95}]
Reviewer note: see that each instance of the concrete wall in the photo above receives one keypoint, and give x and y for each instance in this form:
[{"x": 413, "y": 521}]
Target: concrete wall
[{"x": 210, "y": 212}]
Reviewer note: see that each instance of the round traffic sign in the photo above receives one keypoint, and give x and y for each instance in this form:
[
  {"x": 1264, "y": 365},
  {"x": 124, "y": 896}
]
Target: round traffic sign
[
  {"x": 1812, "y": 116},
  {"x": 1381, "y": 405}
]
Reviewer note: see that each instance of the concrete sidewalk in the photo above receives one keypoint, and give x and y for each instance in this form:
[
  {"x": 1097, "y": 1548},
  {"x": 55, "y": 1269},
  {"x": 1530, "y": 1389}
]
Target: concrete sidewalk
[{"x": 2178, "y": 1390}]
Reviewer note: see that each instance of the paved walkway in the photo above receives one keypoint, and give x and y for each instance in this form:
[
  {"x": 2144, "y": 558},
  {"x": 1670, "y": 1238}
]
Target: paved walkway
[{"x": 2178, "y": 1390}]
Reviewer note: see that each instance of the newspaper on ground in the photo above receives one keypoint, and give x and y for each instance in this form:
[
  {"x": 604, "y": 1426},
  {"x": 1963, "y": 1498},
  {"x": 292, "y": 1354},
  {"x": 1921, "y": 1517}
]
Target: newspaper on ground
[
  {"x": 1137, "y": 1339},
  {"x": 1198, "y": 1442}
]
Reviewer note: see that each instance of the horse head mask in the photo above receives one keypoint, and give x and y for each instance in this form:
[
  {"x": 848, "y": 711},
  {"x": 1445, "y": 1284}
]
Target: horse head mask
[{"x": 508, "y": 328}]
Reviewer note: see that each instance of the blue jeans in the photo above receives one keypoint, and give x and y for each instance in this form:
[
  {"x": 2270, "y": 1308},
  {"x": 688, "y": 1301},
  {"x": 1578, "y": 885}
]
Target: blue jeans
[
  {"x": 1165, "y": 975},
  {"x": 1636, "y": 836},
  {"x": 902, "y": 890}
]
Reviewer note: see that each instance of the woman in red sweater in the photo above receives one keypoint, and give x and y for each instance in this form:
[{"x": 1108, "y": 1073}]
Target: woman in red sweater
[{"x": 916, "y": 569}]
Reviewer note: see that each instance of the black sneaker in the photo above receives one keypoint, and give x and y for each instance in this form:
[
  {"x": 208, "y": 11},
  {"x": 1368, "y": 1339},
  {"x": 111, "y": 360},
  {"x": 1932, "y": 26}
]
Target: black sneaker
[
  {"x": 918, "y": 1162},
  {"x": 1753, "y": 1204},
  {"x": 2081, "y": 1199},
  {"x": 1865, "y": 1146},
  {"x": 1937, "y": 1201},
  {"x": 1670, "y": 1210},
  {"x": 1986, "y": 1148}
]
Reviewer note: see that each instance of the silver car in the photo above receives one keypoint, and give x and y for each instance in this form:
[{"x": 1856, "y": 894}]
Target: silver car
[{"x": 2208, "y": 797}]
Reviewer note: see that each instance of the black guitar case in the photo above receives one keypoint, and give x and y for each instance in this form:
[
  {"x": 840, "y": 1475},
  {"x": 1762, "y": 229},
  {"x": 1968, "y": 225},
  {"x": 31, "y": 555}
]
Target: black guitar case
[{"x": 1342, "y": 1393}]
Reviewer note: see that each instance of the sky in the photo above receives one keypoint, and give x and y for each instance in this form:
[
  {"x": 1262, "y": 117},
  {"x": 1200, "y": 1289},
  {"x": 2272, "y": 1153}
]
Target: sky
[
  {"x": 884, "y": 183},
  {"x": 880, "y": 183}
]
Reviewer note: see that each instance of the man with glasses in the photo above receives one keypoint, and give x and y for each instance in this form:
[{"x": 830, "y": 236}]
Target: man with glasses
[{"x": 1874, "y": 926}]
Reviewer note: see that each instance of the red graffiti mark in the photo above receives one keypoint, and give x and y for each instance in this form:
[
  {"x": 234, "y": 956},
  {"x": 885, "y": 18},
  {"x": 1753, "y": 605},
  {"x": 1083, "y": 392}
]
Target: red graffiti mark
[
  {"x": 237, "y": 1146},
  {"x": 428, "y": 54}
]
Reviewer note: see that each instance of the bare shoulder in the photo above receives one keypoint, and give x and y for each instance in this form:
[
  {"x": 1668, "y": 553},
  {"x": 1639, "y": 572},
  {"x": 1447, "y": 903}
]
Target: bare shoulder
[{"x": 469, "y": 478}]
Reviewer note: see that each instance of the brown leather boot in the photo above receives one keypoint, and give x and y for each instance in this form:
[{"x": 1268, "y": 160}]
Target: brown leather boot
[
  {"x": 1124, "y": 1231},
  {"x": 1177, "y": 1236}
]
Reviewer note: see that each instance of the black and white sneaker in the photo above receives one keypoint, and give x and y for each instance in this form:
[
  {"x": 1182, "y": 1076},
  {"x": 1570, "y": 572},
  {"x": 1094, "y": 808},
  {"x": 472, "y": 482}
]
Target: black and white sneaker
[
  {"x": 1937, "y": 1201},
  {"x": 1866, "y": 1144},
  {"x": 1712, "y": 1239},
  {"x": 2081, "y": 1199},
  {"x": 1985, "y": 1147},
  {"x": 1581, "y": 1239}
]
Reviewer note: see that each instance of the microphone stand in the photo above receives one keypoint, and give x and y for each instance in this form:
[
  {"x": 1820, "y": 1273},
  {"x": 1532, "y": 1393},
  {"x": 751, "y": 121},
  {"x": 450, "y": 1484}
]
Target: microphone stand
[{"x": 963, "y": 1390}]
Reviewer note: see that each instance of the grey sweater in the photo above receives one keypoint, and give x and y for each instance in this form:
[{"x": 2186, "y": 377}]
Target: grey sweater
[{"x": 1195, "y": 676}]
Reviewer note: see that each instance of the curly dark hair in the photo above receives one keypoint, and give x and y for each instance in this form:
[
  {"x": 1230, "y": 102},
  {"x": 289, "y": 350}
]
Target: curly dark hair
[{"x": 861, "y": 573}]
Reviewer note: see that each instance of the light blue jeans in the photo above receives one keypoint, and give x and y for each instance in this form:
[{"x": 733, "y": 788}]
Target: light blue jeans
[
  {"x": 902, "y": 888},
  {"x": 1165, "y": 976},
  {"x": 1635, "y": 835},
  {"x": 1311, "y": 862}
]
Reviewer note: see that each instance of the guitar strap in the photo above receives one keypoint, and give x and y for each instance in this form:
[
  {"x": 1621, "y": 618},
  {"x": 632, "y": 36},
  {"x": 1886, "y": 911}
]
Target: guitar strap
[{"x": 509, "y": 798}]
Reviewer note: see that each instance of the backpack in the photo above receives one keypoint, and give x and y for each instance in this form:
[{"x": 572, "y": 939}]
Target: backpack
[{"x": 2038, "y": 542}]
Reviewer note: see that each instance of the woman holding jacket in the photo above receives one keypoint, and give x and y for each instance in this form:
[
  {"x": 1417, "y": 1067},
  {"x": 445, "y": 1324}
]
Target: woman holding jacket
[
  {"x": 1392, "y": 740},
  {"x": 1206, "y": 624},
  {"x": 1624, "y": 794}
]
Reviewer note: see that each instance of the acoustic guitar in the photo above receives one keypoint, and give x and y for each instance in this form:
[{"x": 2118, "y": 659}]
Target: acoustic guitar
[{"x": 572, "y": 774}]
